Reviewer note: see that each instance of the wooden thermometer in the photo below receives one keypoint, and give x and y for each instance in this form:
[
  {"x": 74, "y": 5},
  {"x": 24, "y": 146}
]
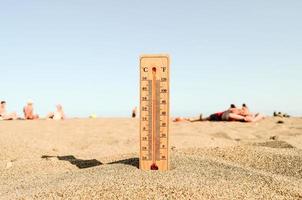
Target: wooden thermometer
[{"x": 154, "y": 112}]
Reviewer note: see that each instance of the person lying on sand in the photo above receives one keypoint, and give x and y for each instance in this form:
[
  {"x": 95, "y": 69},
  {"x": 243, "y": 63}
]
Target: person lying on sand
[
  {"x": 4, "y": 115},
  {"x": 28, "y": 111},
  {"x": 249, "y": 115},
  {"x": 232, "y": 114},
  {"x": 245, "y": 111},
  {"x": 58, "y": 114}
]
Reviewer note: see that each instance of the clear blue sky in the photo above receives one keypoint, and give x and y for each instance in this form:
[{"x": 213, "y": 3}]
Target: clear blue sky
[{"x": 84, "y": 54}]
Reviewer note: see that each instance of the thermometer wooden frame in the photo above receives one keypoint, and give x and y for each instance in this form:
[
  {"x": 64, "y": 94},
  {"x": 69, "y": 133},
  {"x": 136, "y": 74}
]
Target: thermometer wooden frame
[{"x": 154, "y": 112}]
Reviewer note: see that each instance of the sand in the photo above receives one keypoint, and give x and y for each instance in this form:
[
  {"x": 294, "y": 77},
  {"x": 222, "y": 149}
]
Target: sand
[{"x": 98, "y": 159}]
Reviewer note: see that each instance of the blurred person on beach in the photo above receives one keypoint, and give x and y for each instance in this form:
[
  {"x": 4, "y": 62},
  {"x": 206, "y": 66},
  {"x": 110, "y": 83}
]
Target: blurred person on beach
[
  {"x": 58, "y": 114},
  {"x": 231, "y": 114},
  {"x": 249, "y": 116},
  {"x": 3, "y": 113},
  {"x": 134, "y": 112},
  {"x": 28, "y": 111},
  {"x": 245, "y": 111}
]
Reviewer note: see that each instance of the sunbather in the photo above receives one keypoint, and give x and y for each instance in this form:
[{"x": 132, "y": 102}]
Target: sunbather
[
  {"x": 4, "y": 115},
  {"x": 232, "y": 114},
  {"x": 28, "y": 111},
  {"x": 58, "y": 114},
  {"x": 244, "y": 111}
]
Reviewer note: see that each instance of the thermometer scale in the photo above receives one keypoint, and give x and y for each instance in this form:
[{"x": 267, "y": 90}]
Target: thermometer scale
[{"x": 154, "y": 112}]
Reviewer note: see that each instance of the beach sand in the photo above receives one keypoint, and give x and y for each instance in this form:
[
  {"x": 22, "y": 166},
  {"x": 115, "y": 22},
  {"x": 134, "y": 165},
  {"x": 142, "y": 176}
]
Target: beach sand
[{"x": 98, "y": 159}]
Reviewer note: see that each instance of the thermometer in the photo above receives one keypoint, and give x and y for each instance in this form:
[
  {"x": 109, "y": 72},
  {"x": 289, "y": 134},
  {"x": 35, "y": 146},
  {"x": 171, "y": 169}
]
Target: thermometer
[{"x": 154, "y": 112}]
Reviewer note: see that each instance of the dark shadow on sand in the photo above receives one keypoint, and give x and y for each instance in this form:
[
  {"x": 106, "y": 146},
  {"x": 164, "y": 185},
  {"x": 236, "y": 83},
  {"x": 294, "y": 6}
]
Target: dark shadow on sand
[
  {"x": 81, "y": 164},
  {"x": 130, "y": 161}
]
